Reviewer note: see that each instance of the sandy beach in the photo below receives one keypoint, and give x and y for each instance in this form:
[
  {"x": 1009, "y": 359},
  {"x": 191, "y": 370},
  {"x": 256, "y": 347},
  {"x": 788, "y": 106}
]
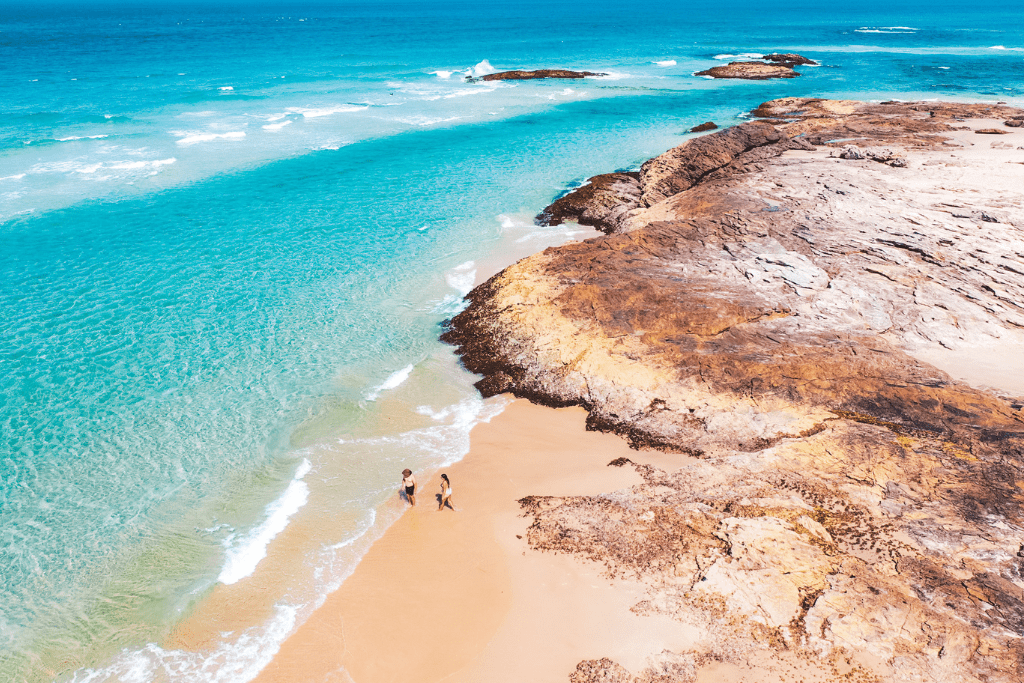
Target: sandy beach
[{"x": 457, "y": 596}]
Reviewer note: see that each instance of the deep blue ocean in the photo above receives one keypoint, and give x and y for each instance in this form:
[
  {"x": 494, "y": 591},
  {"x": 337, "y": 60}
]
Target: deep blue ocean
[{"x": 230, "y": 233}]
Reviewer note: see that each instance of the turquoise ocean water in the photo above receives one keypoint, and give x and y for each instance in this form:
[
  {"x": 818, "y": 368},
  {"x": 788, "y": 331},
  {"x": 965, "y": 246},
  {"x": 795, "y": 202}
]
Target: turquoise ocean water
[{"x": 230, "y": 232}]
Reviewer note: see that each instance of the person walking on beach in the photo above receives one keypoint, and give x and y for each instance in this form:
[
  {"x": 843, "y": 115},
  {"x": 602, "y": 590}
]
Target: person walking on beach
[
  {"x": 446, "y": 493},
  {"x": 409, "y": 482}
]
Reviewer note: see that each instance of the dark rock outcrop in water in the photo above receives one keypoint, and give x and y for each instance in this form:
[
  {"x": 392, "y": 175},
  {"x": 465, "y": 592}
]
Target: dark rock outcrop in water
[
  {"x": 750, "y": 71},
  {"x": 540, "y": 73},
  {"x": 789, "y": 59},
  {"x": 774, "y": 65},
  {"x": 601, "y": 203},
  {"x": 757, "y": 307},
  {"x": 704, "y": 127}
]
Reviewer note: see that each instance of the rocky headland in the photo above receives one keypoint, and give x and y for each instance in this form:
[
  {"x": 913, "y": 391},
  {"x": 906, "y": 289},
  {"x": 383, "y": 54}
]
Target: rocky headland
[
  {"x": 773, "y": 65},
  {"x": 759, "y": 306}
]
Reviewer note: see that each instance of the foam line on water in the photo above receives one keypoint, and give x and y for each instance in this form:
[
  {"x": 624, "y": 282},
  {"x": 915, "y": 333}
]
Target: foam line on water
[
  {"x": 82, "y": 137},
  {"x": 743, "y": 55},
  {"x": 461, "y": 277},
  {"x": 188, "y": 139},
  {"x": 244, "y": 553},
  {"x": 237, "y": 661},
  {"x": 313, "y": 112},
  {"x": 666, "y": 62},
  {"x": 394, "y": 380},
  {"x": 277, "y": 126}
]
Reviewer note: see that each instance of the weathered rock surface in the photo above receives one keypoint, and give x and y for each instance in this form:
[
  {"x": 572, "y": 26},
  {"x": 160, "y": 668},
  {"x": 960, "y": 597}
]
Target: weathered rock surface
[
  {"x": 755, "y": 307},
  {"x": 751, "y": 71},
  {"x": 539, "y": 73}
]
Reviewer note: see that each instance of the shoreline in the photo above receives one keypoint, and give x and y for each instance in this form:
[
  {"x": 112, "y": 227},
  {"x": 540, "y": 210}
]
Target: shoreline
[
  {"x": 459, "y": 596},
  {"x": 735, "y": 547},
  {"x": 253, "y": 608},
  {"x": 447, "y": 596}
]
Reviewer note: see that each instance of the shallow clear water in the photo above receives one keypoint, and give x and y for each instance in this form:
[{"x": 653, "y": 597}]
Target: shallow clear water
[{"x": 230, "y": 235}]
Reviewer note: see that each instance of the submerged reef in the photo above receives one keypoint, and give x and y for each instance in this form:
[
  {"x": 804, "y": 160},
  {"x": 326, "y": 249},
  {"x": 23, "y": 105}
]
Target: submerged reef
[{"x": 757, "y": 306}]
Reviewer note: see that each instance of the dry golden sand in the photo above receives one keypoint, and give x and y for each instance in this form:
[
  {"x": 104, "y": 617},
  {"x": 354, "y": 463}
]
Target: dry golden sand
[{"x": 456, "y": 596}]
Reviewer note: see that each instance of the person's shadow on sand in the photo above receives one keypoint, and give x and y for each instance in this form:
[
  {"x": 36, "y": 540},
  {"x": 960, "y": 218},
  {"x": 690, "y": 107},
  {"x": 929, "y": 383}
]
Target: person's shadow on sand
[{"x": 447, "y": 503}]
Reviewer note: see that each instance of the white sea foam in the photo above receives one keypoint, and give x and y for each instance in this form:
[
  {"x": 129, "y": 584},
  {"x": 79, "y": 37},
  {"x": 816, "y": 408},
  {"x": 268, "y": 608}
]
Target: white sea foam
[
  {"x": 482, "y": 69},
  {"x": 311, "y": 113},
  {"x": 236, "y": 661},
  {"x": 278, "y": 117},
  {"x": 944, "y": 67},
  {"x": 82, "y": 137},
  {"x": 464, "y": 92},
  {"x": 276, "y": 126},
  {"x": 332, "y": 145},
  {"x": 462, "y": 277},
  {"x": 449, "y": 441},
  {"x": 426, "y": 120},
  {"x": 17, "y": 176},
  {"x": 667, "y": 62},
  {"x": 226, "y": 87},
  {"x": 565, "y": 92},
  {"x": 885, "y": 29},
  {"x": 245, "y": 552},
  {"x": 394, "y": 380},
  {"x": 743, "y": 55},
  {"x": 193, "y": 138},
  {"x": 156, "y": 163},
  {"x": 442, "y": 74}
]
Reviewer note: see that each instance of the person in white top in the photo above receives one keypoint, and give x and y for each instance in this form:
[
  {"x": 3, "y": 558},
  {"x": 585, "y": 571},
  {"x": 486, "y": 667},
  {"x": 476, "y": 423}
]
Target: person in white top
[
  {"x": 409, "y": 482},
  {"x": 446, "y": 493}
]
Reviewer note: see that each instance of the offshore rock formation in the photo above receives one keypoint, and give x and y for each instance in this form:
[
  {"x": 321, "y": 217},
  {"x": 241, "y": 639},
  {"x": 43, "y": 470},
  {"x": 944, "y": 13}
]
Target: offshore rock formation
[
  {"x": 751, "y": 71},
  {"x": 704, "y": 127},
  {"x": 789, "y": 59},
  {"x": 540, "y": 73},
  {"x": 755, "y": 306},
  {"x": 774, "y": 65}
]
